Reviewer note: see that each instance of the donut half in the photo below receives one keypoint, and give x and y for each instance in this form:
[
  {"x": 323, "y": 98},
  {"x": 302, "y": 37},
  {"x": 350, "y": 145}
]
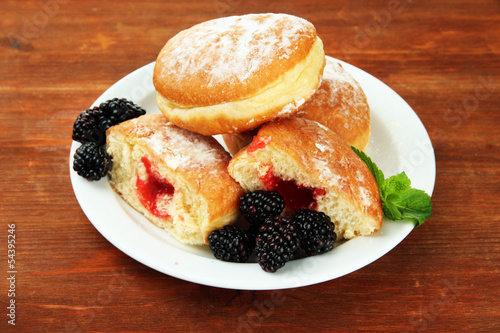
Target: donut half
[
  {"x": 176, "y": 178},
  {"x": 312, "y": 168}
]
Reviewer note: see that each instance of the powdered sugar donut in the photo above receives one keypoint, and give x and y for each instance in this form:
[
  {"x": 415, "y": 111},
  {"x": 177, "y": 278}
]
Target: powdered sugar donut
[
  {"x": 234, "y": 73},
  {"x": 312, "y": 168},
  {"x": 178, "y": 179}
]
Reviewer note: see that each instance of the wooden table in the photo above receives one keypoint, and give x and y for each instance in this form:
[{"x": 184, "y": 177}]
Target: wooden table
[{"x": 58, "y": 56}]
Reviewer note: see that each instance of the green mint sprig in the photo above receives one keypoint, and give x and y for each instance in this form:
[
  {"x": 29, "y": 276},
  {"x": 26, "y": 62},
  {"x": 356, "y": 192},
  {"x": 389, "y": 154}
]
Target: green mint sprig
[{"x": 399, "y": 200}]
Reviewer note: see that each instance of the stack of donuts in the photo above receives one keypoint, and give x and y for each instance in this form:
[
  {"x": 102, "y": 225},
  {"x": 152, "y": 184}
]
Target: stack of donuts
[{"x": 286, "y": 112}]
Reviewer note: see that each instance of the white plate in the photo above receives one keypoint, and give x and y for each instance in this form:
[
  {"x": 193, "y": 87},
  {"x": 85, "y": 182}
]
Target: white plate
[{"x": 399, "y": 142}]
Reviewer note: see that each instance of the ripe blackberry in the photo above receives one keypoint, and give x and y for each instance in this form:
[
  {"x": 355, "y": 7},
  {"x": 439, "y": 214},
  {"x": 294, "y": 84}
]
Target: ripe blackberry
[
  {"x": 86, "y": 126},
  {"x": 259, "y": 205},
  {"x": 231, "y": 243},
  {"x": 316, "y": 231},
  {"x": 276, "y": 243},
  {"x": 117, "y": 110},
  {"x": 91, "y": 161},
  {"x": 92, "y": 124}
]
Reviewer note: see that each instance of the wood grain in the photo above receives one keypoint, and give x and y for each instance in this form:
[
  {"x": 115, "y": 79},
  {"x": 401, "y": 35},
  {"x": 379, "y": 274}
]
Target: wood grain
[{"x": 58, "y": 56}]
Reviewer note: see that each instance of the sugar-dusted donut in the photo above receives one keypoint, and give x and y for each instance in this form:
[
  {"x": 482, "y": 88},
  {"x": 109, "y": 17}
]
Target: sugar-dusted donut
[
  {"x": 178, "y": 179},
  {"x": 312, "y": 168},
  {"x": 234, "y": 73}
]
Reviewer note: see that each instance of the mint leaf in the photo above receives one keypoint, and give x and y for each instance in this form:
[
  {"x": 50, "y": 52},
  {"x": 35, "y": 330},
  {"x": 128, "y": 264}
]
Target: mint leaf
[
  {"x": 410, "y": 204},
  {"x": 395, "y": 185},
  {"x": 391, "y": 211},
  {"x": 399, "y": 200}
]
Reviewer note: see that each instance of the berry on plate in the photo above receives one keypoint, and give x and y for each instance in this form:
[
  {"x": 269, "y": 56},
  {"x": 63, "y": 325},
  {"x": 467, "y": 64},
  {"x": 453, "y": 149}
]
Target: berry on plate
[
  {"x": 259, "y": 205},
  {"x": 91, "y": 161},
  {"x": 277, "y": 243},
  {"x": 230, "y": 243},
  {"x": 316, "y": 231},
  {"x": 92, "y": 124}
]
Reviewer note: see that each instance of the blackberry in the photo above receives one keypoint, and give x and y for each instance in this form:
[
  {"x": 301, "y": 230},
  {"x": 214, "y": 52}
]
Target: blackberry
[
  {"x": 316, "y": 231},
  {"x": 276, "y": 243},
  {"x": 92, "y": 124},
  {"x": 117, "y": 110},
  {"x": 231, "y": 243},
  {"x": 91, "y": 161},
  {"x": 259, "y": 205},
  {"x": 86, "y": 126}
]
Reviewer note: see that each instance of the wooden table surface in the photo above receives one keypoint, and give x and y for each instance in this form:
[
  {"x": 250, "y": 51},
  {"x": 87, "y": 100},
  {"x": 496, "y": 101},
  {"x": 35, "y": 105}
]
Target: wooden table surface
[{"x": 57, "y": 57}]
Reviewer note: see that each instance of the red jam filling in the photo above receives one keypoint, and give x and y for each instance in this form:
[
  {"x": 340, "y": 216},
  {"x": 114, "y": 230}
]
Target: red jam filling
[
  {"x": 258, "y": 142},
  {"x": 151, "y": 189},
  {"x": 296, "y": 196}
]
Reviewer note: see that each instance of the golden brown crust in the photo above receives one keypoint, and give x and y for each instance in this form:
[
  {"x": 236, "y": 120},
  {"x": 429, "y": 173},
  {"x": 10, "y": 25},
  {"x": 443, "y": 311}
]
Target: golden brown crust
[
  {"x": 195, "y": 163},
  {"x": 315, "y": 157},
  {"x": 230, "y": 58},
  {"x": 341, "y": 105}
]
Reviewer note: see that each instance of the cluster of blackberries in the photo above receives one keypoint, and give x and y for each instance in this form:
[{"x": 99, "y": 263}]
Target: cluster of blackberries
[
  {"x": 91, "y": 160},
  {"x": 275, "y": 239}
]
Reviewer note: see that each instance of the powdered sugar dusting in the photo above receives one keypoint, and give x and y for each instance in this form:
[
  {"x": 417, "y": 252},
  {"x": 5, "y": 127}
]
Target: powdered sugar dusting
[
  {"x": 291, "y": 107},
  {"x": 323, "y": 127},
  {"x": 231, "y": 48},
  {"x": 355, "y": 185},
  {"x": 180, "y": 149},
  {"x": 334, "y": 71},
  {"x": 365, "y": 196},
  {"x": 322, "y": 148},
  {"x": 339, "y": 171},
  {"x": 342, "y": 84},
  {"x": 325, "y": 173}
]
